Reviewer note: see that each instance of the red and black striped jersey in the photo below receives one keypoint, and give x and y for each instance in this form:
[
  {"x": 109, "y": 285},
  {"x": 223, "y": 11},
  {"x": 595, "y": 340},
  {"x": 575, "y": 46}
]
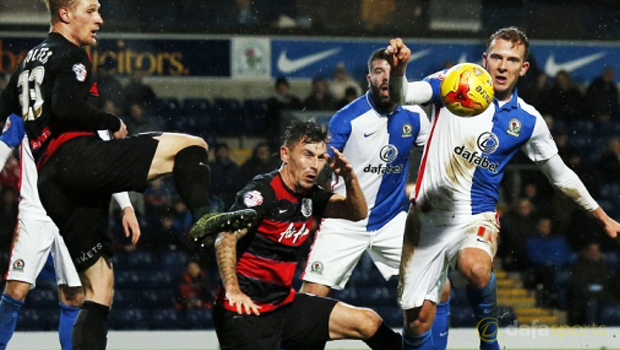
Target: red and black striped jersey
[
  {"x": 49, "y": 90},
  {"x": 267, "y": 257}
]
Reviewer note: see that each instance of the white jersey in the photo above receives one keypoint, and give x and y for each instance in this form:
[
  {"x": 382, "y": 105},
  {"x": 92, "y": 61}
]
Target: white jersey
[
  {"x": 377, "y": 145},
  {"x": 30, "y": 206},
  {"x": 465, "y": 158}
]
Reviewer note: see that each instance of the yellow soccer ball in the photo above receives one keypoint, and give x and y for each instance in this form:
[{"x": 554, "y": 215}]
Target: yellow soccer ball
[{"x": 467, "y": 90}]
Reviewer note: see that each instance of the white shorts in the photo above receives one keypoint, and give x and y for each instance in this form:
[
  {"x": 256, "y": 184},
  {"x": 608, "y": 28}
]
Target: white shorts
[
  {"x": 425, "y": 266},
  {"x": 339, "y": 245},
  {"x": 33, "y": 242}
]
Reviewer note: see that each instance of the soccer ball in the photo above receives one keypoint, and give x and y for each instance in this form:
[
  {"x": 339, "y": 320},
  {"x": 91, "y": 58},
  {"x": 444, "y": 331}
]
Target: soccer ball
[{"x": 467, "y": 90}]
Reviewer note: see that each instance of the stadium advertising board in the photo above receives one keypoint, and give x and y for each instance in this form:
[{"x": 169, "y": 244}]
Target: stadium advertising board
[{"x": 262, "y": 57}]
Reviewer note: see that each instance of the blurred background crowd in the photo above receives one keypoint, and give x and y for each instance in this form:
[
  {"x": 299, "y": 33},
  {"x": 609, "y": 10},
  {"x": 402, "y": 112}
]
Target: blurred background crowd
[{"x": 553, "y": 256}]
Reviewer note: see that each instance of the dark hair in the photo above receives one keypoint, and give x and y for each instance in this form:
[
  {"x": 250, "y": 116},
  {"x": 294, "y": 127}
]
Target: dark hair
[
  {"x": 376, "y": 55},
  {"x": 514, "y": 35},
  {"x": 282, "y": 80},
  {"x": 306, "y": 132}
]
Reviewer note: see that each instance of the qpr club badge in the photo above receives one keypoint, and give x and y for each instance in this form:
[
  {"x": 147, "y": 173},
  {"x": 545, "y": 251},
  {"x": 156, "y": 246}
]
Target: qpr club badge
[
  {"x": 80, "y": 72},
  {"x": 306, "y": 207},
  {"x": 514, "y": 127}
]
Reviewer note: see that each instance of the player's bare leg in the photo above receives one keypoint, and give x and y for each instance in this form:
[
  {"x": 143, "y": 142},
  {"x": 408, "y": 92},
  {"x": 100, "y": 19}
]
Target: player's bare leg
[
  {"x": 477, "y": 266},
  {"x": 315, "y": 289},
  {"x": 350, "y": 322},
  {"x": 418, "y": 323},
  {"x": 70, "y": 299},
  {"x": 91, "y": 325},
  {"x": 187, "y": 158}
]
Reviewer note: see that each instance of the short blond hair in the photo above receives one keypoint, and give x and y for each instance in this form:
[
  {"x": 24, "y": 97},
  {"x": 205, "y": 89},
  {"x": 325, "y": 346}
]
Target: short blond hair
[{"x": 54, "y": 6}]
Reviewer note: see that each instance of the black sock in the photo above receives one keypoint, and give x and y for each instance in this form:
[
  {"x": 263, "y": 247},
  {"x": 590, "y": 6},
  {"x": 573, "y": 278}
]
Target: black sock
[
  {"x": 90, "y": 331},
  {"x": 385, "y": 338},
  {"x": 192, "y": 179}
]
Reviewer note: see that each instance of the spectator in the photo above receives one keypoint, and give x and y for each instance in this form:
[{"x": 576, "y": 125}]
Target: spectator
[
  {"x": 547, "y": 253},
  {"x": 227, "y": 186},
  {"x": 592, "y": 285},
  {"x": 141, "y": 120},
  {"x": 350, "y": 94},
  {"x": 262, "y": 161},
  {"x": 138, "y": 92},
  {"x": 109, "y": 87},
  {"x": 376, "y": 13},
  {"x": 602, "y": 96},
  {"x": 194, "y": 291},
  {"x": 342, "y": 80},
  {"x": 516, "y": 227},
  {"x": 281, "y": 101},
  {"x": 242, "y": 13},
  {"x": 610, "y": 161},
  {"x": 319, "y": 99},
  {"x": 566, "y": 99}
]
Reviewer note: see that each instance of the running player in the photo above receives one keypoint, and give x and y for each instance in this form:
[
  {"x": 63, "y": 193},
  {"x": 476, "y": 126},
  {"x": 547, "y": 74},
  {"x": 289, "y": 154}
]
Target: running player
[
  {"x": 453, "y": 219},
  {"x": 78, "y": 171},
  {"x": 376, "y": 136},
  {"x": 256, "y": 306},
  {"x": 35, "y": 237}
]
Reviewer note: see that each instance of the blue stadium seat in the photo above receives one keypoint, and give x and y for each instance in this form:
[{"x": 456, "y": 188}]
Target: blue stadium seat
[
  {"x": 174, "y": 261},
  {"x": 157, "y": 298},
  {"x": 135, "y": 260},
  {"x": 166, "y": 319},
  {"x": 392, "y": 316},
  {"x": 561, "y": 286},
  {"x": 130, "y": 318},
  {"x": 374, "y": 296},
  {"x": 458, "y": 297},
  {"x": 127, "y": 298},
  {"x": 199, "y": 319},
  {"x": 159, "y": 279},
  {"x": 31, "y": 319},
  {"x": 129, "y": 279},
  {"x": 348, "y": 295},
  {"x": 255, "y": 115},
  {"x": 461, "y": 316},
  {"x": 196, "y": 106},
  {"x": 227, "y": 117},
  {"x": 507, "y": 316},
  {"x": 609, "y": 314},
  {"x": 42, "y": 298},
  {"x": 167, "y": 107}
]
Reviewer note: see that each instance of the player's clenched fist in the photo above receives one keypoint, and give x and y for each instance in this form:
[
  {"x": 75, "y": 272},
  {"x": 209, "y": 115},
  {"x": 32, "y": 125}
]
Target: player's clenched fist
[{"x": 398, "y": 56}]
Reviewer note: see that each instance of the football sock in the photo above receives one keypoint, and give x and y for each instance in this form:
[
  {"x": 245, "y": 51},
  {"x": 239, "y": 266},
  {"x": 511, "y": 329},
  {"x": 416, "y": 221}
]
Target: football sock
[
  {"x": 90, "y": 331},
  {"x": 484, "y": 302},
  {"x": 441, "y": 325},
  {"x": 423, "y": 341},
  {"x": 9, "y": 311},
  {"x": 385, "y": 338},
  {"x": 192, "y": 178},
  {"x": 68, "y": 314}
]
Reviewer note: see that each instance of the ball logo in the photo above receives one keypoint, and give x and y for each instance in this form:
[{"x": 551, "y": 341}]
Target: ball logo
[
  {"x": 488, "y": 142},
  {"x": 388, "y": 153}
]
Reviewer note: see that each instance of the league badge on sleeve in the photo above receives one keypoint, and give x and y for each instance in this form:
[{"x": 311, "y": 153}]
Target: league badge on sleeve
[
  {"x": 80, "y": 72},
  {"x": 306, "y": 207},
  {"x": 252, "y": 199}
]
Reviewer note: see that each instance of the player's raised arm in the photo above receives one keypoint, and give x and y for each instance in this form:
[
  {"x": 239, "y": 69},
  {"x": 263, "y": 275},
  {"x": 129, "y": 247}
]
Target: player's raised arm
[
  {"x": 352, "y": 207},
  {"x": 401, "y": 91}
]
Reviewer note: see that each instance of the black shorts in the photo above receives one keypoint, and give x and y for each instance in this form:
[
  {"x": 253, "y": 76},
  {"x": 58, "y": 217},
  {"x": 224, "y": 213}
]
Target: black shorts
[
  {"x": 305, "y": 321},
  {"x": 77, "y": 182}
]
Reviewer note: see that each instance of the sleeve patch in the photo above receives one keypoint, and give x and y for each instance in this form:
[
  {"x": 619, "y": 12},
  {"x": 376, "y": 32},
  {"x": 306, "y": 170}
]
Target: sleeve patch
[
  {"x": 252, "y": 199},
  {"x": 80, "y": 72}
]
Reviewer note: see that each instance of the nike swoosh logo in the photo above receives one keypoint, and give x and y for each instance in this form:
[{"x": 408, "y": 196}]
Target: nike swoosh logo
[
  {"x": 367, "y": 135},
  {"x": 443, "y": 334},
  {"x": 419, "y": 54},
  {"x": 481, "y": 241},
  {"x": 286, "y": 65},
  {"x": 552, "y": 67},
  {"x": 282, "y": 211}
]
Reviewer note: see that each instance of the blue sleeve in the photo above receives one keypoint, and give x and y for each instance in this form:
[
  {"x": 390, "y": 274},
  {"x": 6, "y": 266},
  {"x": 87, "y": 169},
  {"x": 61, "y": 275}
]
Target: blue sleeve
[
  {"x": 435, "y": 81},
  {"x": 340, "y": 130},
  {"x": 13, "y": 131}
]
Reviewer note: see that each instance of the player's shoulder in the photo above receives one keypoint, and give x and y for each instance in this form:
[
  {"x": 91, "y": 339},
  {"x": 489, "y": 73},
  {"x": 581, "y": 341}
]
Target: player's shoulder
[
  {"x": 353, "y": 110},
  {"x": 63, "y": 51},
  {"x": 527, "y": 109},
  {"x": 414, "y": 110},
  {"x": 439, "y": 75}
]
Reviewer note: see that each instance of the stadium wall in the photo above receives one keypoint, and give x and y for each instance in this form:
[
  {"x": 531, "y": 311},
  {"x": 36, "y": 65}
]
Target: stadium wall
[{"x": 575, "y": 337}]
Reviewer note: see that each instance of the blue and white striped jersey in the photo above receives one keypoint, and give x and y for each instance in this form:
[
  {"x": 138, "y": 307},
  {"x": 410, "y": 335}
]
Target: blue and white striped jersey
[
  {"x": 465, "y": 158},
  {"x": 377, "y": 145}
]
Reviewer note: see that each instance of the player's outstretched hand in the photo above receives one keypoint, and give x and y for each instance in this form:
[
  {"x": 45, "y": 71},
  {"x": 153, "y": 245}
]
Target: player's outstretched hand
[
  {"x": 612, "y": 227},
  {"x": 242, "y": 302},
  {"x": 121, "y": 133},
  {"x": 398, "y": 56},
  {"x": 131, "y": 225},
  {"x": 340, "y": 165}
]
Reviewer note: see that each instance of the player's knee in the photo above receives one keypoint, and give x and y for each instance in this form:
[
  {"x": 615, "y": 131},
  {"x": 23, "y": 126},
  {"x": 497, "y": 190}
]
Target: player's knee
[
  {"x": 17, "y": 290},
  {"x": 191, "y": 140},
  {"x": 71, "y": 296},
  {"x": 417, "y": 323},
  {"x": 445, "y": 295},
  {"x": 369, "y": 323},
  {"x": 478, "y": 275}
]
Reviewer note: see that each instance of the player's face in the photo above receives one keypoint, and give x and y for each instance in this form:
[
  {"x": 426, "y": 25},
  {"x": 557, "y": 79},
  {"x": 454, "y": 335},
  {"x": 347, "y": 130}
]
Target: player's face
[
  {"x": 505, "y": 61},
  {"x": 302, "y": 164},
  {"x": 85, "y": 22},
  {"x": 378, "y": 79}
]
